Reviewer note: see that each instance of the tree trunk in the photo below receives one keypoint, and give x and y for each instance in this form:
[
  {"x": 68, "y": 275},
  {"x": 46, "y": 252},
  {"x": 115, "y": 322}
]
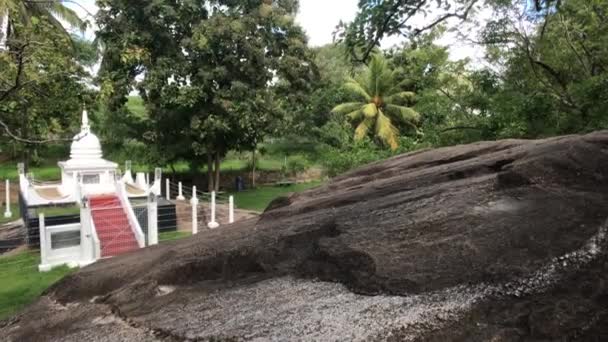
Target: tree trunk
[
  {"x": 210, "y": 185},
  {"x": 253, "y": 162},
  {"x": 217, "y": 171},
  {"x": 25, "y": 155}
]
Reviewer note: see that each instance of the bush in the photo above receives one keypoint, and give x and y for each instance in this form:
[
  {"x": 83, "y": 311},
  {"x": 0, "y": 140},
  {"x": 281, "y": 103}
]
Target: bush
[{"x": 297, "y": 164}]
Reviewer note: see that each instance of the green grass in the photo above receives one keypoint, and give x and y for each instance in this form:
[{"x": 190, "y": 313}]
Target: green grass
[
  {"x": 14, "y": 210},
  {"x": 259, "y": 198},
  {"x": 52, "y": 172},
  {"x": 21, "y": 283},
  {"x": 58, "y": 211},
  {"x": 174, "y": 235},
  {"x": 41, "y": 173}
]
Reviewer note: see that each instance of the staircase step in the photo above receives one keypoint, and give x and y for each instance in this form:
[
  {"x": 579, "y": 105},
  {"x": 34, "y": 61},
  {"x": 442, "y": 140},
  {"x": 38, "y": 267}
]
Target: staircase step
[
  {"x": 112, "y": 226},
  {"x": 118, "y": 250},
  {"x": 110, "y": 221}
]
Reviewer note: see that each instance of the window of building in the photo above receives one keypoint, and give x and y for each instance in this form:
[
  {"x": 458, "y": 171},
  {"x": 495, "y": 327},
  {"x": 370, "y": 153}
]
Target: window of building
[
  {"x": 65, "y": 239},
  {"x": 90, "y": 179}
]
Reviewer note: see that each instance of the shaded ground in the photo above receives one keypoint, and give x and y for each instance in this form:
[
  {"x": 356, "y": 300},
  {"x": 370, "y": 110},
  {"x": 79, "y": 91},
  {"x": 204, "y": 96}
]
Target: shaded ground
[{"x": 501, "y": 241}]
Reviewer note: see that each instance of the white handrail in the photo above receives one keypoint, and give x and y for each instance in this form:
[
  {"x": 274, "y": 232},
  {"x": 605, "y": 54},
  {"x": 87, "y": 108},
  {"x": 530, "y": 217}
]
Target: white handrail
[
  {"x": 121, "y": 191},
  {"x": 96, "y": 242}
]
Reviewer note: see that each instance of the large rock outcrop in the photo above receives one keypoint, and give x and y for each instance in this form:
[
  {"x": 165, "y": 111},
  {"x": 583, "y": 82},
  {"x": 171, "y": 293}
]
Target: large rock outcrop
[{"x": 500, "y": 241}]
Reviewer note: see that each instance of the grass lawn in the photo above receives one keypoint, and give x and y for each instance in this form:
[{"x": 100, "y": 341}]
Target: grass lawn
[
  {"x": 259, "y": 198},
  {"x": 21, "y": 283},
  {"x": 51, "y": 172},
  {"x": 174, "y": 235},
  {"x": 14, "y": 211},
  {"x": 41, "y": 173},
  {"x": 59, "y": 211}
]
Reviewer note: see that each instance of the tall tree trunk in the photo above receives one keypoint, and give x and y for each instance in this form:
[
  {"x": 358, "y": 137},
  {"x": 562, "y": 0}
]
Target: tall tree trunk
[
  {"x": 217, "y": 171},
  {"x": 210, "y": 185},
  {"x": 25, "y": 153},
  {"x": 253, "y": 162}
]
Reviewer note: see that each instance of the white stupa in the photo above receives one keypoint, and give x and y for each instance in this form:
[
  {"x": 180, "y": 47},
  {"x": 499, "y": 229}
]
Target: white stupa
[{"x": 86, "y": 164}]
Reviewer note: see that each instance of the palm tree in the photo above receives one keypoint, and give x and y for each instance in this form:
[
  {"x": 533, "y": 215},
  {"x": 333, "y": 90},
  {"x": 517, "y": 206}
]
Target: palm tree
[
  {"x": 21, "y": 11},
  {"x": 380, "y": 105}
]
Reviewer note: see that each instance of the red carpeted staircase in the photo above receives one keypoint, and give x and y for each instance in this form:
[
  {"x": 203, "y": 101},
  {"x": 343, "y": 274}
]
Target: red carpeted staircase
[{"x": 112, "y": 225}]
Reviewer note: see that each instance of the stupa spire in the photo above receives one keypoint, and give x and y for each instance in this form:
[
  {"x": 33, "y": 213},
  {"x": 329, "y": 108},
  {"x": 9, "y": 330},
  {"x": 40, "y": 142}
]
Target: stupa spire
[{"x": 85, "y": 121}]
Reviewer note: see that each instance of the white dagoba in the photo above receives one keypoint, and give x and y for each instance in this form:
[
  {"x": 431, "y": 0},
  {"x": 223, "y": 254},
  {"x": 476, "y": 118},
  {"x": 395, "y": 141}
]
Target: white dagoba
[{"x": 86, "y": 164}]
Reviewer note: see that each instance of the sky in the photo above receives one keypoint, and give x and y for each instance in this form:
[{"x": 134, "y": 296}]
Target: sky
[{"x": 319, "y": 19}]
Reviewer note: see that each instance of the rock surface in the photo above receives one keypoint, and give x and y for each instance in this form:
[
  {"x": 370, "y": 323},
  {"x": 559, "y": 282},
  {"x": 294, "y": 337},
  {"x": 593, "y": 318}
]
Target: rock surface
[{"x": 500, "y": 241}]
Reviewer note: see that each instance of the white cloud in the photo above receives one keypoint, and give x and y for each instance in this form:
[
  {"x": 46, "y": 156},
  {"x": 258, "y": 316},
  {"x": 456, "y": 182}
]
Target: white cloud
[{"x": 320, "y": 17}]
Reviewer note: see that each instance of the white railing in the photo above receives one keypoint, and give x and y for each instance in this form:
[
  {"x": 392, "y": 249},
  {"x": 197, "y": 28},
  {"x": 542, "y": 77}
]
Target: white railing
[
  {"x": 96, "y": 242},
  {"x": 121, "y": 192}
]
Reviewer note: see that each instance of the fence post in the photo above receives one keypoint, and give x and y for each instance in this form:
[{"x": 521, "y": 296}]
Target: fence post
[
  {"x": 87, "y": 249},
  {"x": 43, "y": 267},
  {"x": 194, "y": 202},
  {"x": 167, "y": 188},
  {"x": 231, "y": 209},
  {"x": 180, "y": 195},
  {"x": 8, "y": 213},
  {"x": 152, "y": 220},
  {"x": 147, "y": 179},
  {"x": 158, "y": 172},
  {"x": 213, "y": 223}
]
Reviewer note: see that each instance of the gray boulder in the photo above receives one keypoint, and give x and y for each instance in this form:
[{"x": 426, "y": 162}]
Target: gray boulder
[{"x": 501, "y": 241}]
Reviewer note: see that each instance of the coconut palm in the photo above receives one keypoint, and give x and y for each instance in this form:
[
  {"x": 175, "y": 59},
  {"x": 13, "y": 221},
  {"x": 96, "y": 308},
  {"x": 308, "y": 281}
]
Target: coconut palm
[
  {"x": 381, "y": 102},
  {"x": 21, "y": 11}
]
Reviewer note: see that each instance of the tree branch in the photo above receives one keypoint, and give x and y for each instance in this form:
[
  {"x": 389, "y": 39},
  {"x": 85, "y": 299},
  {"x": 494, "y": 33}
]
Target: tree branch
[
  {"x": 10, "y": 134},
  {"x": 463, "y": 16}
]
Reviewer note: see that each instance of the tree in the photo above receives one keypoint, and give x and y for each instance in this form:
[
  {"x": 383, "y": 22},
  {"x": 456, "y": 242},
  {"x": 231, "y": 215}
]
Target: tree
[
  {"x": 42, "y": 88},
  {"x": 550, "y": 74},
  {"x": 212, "y": 71},
  {"x": 15, "y": 14},
  {"x": 381, "y": 104},
  {"x": 379, "y": 19}
]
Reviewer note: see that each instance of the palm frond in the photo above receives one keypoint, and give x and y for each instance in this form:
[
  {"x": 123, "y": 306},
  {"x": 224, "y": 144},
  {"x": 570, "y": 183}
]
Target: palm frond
[
  {"x": 356, "y": 89},
  {"x": 400, "y": 98},
  {"x": 355, "y": 115},
  {"x": 68, "y": 15},
  {"x": 380, "y": 77},
  {"x": 403, "y": 114},
  {"x": 347, "y": 107},
  {"x": 363, "y": 128},
  {"x": 370, "y": 110},
  {"x": 386, "y": 131}
]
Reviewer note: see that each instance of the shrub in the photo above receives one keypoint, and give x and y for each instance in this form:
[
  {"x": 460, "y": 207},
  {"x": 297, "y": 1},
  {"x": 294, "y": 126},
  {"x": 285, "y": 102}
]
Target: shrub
[{"x": 296, "y": 164}]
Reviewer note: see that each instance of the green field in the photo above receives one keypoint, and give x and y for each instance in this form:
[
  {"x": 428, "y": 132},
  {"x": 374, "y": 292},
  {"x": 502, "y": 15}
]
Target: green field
[
  {"x": 14, "y": 210},
  {"x": 41, "y": 173},
  {"x": 51, "y": 171},
  {"x": 21, "y": 283},
  {"x": 173, "y": 235},
  {"x": 259, "y": 198}
]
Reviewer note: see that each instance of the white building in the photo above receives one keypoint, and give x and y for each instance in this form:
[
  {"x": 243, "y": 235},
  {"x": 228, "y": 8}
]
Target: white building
[{"x": 107, "y": 225}]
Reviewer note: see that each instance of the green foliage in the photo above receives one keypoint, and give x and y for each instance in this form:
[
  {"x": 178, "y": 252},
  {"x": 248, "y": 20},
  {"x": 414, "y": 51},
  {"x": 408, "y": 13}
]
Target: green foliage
[
  {"x": 297, "y": 164},
  {"x": 42, "y": 88},
  {"x": 379, "y": 111},
  {"x": 207, "y": 76},
  {"x": 259, "y": 198}
]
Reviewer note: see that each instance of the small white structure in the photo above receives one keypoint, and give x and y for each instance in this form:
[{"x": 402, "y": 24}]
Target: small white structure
[
  {"x": 107, "y": 225},
  {"x": 86, "y": 165},
  {"x": 7, "y": 189},
  {"x": 86, "y": 173},
  {"x": 213, "y": 223}
]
